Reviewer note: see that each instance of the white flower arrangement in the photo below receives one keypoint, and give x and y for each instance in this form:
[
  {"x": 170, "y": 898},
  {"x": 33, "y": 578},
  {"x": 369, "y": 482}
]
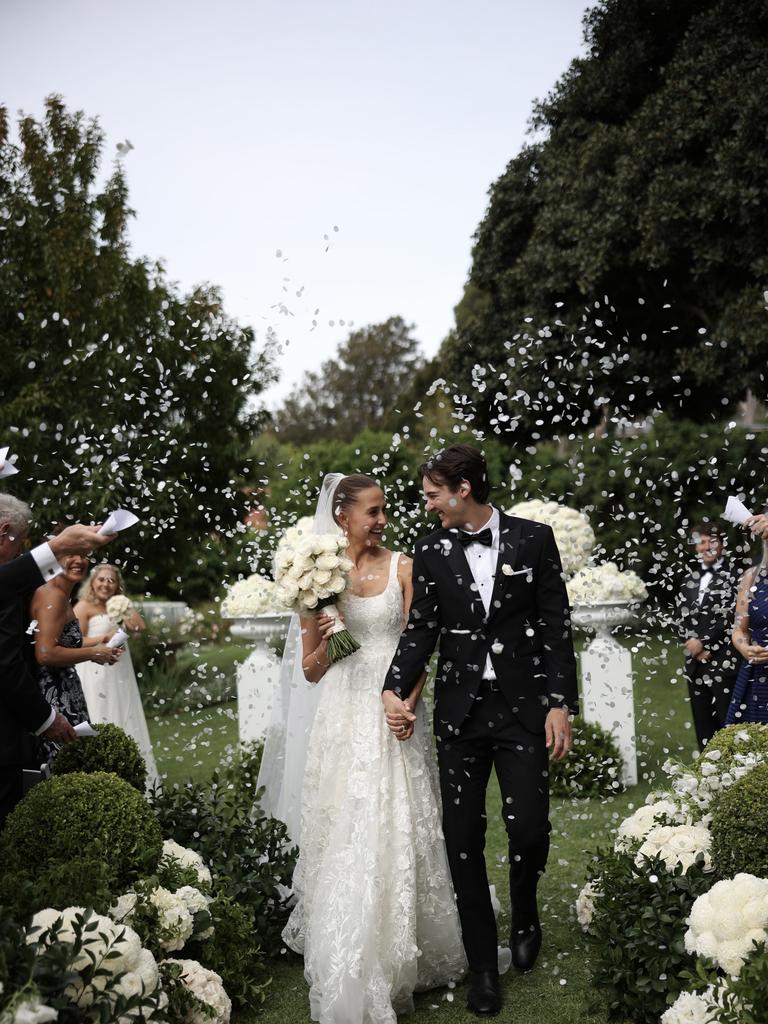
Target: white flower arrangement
[
  {"x": 726, "y": 921},
  {"x": 206, "y": 986},
  {"x": 188, "y": 859},
  {"x": 311, "y": 573},
  {"x": 574, "y": 536},
  {"x": 113, "y": 948},
  {"x": 632, "y": 831},
  {"x": 605, "y": 584},
  {"x": 585, "y": 904},
  {"x": 677, "y": 844},
  {"x": 692, "y": 1008},
  {"x": 119, "y": 608},
  {"x": 252, "y": 596},
  {"x": 173, "y": 916},
  {"x": 698, "y": 787}
]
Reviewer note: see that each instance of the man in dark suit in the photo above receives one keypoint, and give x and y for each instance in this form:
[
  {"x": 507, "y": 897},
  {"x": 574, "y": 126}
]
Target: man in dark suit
[
  {"x": 24, "y": 713},
  {"x": 489, "y": 589},
  {"x": 707, "y": 608}
]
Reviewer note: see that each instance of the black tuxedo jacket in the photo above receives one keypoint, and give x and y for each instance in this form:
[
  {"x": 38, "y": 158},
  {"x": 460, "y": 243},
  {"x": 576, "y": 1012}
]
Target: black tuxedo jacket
[
  {"x": 712, "y": 620},
  {"x": 23, "y": 708},
  {"x": 527, "y": 632}
]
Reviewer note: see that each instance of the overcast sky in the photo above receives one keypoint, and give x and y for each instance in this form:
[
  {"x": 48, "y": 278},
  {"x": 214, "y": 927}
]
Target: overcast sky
[{"x": 325, "y": 163}]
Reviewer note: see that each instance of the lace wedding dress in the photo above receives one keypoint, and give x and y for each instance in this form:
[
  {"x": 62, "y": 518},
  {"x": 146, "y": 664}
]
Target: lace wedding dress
[
  {"x": 375, "y": 916},
  {"x": 112, "y": 695}
]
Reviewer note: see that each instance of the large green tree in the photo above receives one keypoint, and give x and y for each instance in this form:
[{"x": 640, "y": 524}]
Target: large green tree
[
  {"x": 357, "y": 389},
  {"x": 116, "y": 388},
  {"x": 622, "y": 258}
]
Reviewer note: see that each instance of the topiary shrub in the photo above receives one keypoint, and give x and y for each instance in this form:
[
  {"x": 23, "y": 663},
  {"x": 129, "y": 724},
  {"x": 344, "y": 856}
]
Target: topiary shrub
[
  {"x": 110, "y": 750},
  {"x": 740, "y": 826},
  {"x": 593, "y": 768},
  {"x": 81, "y": 816},
  {"x": 750, "y": 738}
]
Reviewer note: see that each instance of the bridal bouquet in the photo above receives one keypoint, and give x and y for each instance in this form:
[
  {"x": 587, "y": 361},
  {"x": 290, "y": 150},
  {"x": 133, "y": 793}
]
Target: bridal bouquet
[
  {"x": 119, "y": 608},
  {"x": 311, "y": 572}
]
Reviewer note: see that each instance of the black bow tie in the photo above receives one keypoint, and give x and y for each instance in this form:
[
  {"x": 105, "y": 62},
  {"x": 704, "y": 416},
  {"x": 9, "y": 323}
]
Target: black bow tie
[
  {"x": 707, "y": 570},
  {"x": 483, "y": 537}
]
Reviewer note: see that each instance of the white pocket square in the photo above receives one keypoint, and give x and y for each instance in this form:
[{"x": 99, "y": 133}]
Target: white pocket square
[{"x": 509, "y": 571}]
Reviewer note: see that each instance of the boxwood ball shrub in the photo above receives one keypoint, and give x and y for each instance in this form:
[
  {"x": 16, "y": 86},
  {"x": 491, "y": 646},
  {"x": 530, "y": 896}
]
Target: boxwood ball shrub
[
  {"x": 750, "y": 738},
  {"x": 740, "y": 826},
  {"x": 110, "y": 750},
  {"x": 82, "y": 815},
  {"x": 593, "y": 767}
]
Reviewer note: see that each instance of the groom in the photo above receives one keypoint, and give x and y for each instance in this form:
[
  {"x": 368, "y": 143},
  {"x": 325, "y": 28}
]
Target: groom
[{"x": 489, "y": 589}]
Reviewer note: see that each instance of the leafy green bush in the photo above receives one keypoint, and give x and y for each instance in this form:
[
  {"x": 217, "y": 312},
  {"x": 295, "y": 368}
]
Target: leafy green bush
[
  {"x": 746, "y": 997},
  {"x": 740, "y": 826},
  {"x": 733, "y": 740},
  {"x": 636, "y": 934},
  {"x": 593, "y": 768},
  {"x": 82, "y": 816},
  {"x": 88, "y": 878},
  {"x": 249, "y": 856},
  {"x": 110, "y": 750}
]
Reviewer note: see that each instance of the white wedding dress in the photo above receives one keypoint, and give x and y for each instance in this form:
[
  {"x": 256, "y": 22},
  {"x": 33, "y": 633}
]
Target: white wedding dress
[
  {"x": 112, "y": 695},
  {"x": 375, "y": 916}
]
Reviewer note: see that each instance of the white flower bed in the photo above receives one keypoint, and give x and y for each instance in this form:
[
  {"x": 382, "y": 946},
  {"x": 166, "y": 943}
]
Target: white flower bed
[
  {"x": 605, "y": 584},
  {"x": 574, "y": 536}
]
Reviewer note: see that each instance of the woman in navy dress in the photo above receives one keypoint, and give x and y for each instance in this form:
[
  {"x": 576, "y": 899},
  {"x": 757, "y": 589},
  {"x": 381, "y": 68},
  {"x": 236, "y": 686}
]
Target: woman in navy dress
[{"x": 749, "y": 701}]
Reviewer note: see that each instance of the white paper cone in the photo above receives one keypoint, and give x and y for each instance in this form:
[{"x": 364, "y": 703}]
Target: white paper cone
[
  {"x": 736, "y": 512},
  {"x": 118, "y": 520},
  {"x": 118, "y": 640},
  {"x": 84, "y": 729}
]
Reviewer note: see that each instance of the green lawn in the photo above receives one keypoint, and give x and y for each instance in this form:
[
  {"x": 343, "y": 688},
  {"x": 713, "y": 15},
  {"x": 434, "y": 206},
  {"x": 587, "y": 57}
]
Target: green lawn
[{"x": 558, "y": 991}]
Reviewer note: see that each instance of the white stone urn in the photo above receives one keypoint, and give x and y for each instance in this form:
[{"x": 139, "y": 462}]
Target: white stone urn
[
  {"x": 257, "y": 676},
  {"x": 606, "y": 677}
]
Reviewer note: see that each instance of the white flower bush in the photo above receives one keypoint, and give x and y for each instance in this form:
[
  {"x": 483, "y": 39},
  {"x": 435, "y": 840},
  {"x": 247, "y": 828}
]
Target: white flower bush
[
  {"x": 677, "y": 844},
  {"x": 188, "y": 859},
  {"x": 725, "y": 922},
  {"x": 692, "y": 1008},
  {"x": 574, "y": 536},
  {"x": 172, "y": 914},
  {"x": 633, "y": 830},
  {"x": 585, "y": 904},
  {"x": 698, "y": 786},
  {"x": 255, "y": 595},
  {"x": 605, "y": 584},
  {"x": 207, "y": 986}
]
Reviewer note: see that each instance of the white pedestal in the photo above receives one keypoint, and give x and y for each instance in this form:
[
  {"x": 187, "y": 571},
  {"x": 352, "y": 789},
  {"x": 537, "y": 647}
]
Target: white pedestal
[
  {"x": 258, "y": 675},
  {"x": 607, "y": 686}
]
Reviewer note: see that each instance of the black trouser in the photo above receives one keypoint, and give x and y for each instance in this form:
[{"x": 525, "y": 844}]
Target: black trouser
[
  {"x": 492, "y": 737},
  {"x": 11, "y": 790},
  {"x": 709, "y": 690}
]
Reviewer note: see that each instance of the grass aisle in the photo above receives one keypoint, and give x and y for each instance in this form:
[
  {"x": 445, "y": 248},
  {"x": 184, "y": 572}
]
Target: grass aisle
[{"x": 558, "y": 991}]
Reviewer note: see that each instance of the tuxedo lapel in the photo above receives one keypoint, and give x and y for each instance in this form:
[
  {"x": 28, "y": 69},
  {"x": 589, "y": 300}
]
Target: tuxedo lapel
[
  {"x": 461, "y": 573},
  {"x": 509, "y": 541}
]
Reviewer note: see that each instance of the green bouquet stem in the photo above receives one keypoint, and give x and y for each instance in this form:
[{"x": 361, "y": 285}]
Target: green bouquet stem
[{"x": 341, "y": 643}]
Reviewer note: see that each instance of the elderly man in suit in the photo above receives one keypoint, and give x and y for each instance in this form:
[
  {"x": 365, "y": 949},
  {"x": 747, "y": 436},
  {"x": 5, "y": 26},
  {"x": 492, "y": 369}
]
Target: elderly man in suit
[
  {"x": 24, "y": 713},
  {"x": 707, "y": 602}
]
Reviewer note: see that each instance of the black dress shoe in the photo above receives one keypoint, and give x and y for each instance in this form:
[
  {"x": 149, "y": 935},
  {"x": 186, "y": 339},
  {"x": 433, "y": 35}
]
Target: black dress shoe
[
  {"x": 525, "y": 943},
  {"x": 484, "y": 997}
]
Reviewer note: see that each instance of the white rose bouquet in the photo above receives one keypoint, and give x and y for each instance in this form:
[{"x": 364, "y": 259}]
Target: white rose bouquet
[
  {"x": 604, "y": 584},
  {"x": 311, "y": 573},
  {"x": 119, "y": 608},
  {"x": 252, "y": 596},
  {"x": 574, "y": 536}
]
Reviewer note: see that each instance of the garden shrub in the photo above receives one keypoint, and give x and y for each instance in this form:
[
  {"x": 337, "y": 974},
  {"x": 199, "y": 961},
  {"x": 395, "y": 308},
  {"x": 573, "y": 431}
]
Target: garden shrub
[
  {"x": 110, "y": 750},
  {"x": 593, "y": 767},
  {"x": 740, "y": 826},
  {"x": 82, "y": 816}
]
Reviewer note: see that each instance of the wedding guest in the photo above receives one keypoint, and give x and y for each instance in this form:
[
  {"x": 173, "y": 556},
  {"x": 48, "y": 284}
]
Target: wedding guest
[
  {"x": 759, "y": 525},
  {"x": 111, "y": 691},
  {"x": 24, "y": 712},
  {"x": 749, "y": 702},
  {"x": 706, "y": 606},
  {"x": 59, "y": 645}
]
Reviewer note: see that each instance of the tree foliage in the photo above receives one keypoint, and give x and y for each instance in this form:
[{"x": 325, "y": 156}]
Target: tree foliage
[
  {"x": 117, "y": 389},
  {"x": 357, "y": 389},
  {"x": 622, "y": 257}
]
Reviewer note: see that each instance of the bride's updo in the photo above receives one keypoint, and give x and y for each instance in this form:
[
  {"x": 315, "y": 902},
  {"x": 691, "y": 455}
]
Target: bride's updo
[{"x": 347, "y": 491}]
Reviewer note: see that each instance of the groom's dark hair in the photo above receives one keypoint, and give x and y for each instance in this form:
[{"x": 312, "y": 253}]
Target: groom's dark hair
[{"x": 456, "y": 463}]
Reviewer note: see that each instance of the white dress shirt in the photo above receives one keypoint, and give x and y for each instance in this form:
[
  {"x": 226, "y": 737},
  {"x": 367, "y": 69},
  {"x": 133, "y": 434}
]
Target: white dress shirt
[
  {"x": 706, "y": 578},
  {"x": 46, "y": 562},
  {"x": 482, "y": 562}
]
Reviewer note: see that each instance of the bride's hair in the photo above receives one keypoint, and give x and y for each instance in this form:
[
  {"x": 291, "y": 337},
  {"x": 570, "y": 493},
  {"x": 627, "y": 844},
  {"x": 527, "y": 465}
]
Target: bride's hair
[
  {"x": 86, "y": 590},
  {"x": 348, "y": 490}
]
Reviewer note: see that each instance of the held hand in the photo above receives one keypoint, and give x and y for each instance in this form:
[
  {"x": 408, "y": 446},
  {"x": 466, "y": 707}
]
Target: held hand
[
  {"x": 758, "y": 525},
  {"x": 704, "y": 656},
  {"x": 325, "y": 624},
  {"x": 60, "y": 730},
  {"x": 399, "y": 717},
  {"x": 558, "y": 733},
  {"x": 755, "y": 654},
  {"x": 104, "y": 655},
  {"x": 694, "y": 647},
  {"x": 79, "y": 540}
]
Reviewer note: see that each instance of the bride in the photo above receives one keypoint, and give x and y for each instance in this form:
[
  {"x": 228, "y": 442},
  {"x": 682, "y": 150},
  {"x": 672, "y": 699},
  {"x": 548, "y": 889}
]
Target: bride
[{"x": 375, "y": 914}]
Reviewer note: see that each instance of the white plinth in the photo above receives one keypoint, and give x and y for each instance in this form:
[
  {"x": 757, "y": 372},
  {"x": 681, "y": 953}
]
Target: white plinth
[
  {"x": 606, "y": 675},
  {"x": 257, "y": 676}
]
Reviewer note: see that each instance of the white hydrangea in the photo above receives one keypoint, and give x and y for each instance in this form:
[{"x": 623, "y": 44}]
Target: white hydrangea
[
  {"x": 174, "y": 919},
  {"x": 677, "y": 844},
  {"x": 633, "y": 830},
  {"x": 585, "y": 904},
  {"x": 605, "y": 584},
  {"x": 691, "y": 1008},
  {"x": 195, "y": 901},
  {"x": 574, "y": 536},
  {"x": 255, "y": 595},
  {"x": 208, "y": 987},
  {"x": 30, "y": 1011},
  {"x": 188, "y": 859},
  {"x": 726, "y": 921}
]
